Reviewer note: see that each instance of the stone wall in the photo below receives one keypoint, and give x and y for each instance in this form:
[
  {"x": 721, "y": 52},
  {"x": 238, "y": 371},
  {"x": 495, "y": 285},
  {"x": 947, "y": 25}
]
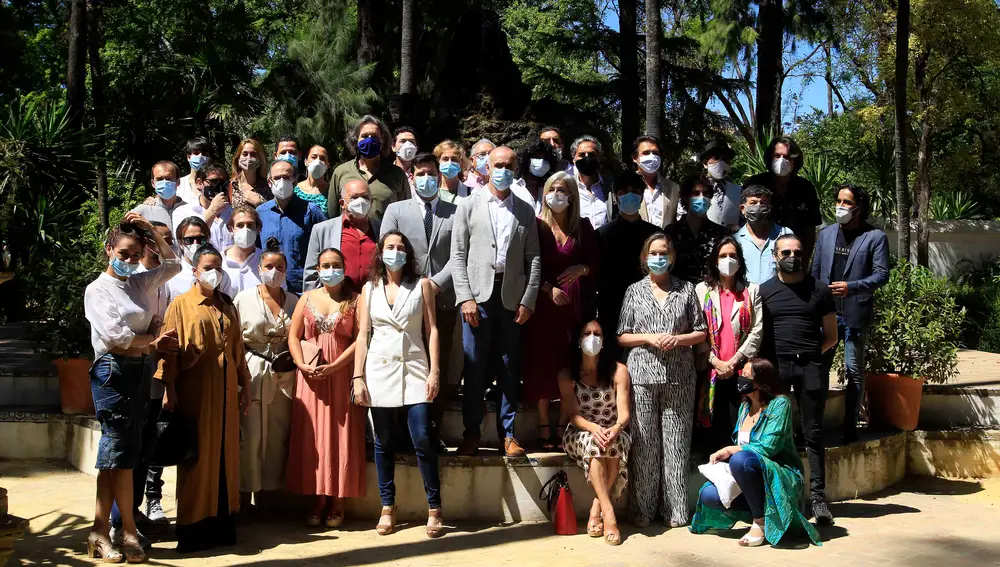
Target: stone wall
[{"x": 953, "y": 241}]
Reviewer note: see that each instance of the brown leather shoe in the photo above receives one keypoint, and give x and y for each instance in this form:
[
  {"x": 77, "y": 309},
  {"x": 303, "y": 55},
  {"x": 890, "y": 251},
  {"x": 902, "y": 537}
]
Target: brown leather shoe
[
  {"x": 468, "y": 447},
  {"x": 512, "y": 448}
]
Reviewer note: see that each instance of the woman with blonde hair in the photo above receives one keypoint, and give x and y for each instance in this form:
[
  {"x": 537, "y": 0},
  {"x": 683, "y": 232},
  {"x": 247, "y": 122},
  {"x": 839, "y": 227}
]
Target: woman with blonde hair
[
  {"x": 452, "y": 163},
  {"x": 249, "y": 167},
  {"x": 568, "y": 246}
]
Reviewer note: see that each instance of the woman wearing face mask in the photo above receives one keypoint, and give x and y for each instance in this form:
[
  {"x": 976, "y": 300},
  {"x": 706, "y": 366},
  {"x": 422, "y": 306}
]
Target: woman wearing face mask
[
  {"x": 734, "y": 314},
  {"x": 326, "y": 451},
  {"x": 568, "y": 249},
  {"x": 316, "y": 186},
  {"x": 208, "y": 385},
  {"x": 394, "y": 371},
  {"x": 241, "y": 261},
  {"x": 265, "y": 316},
  {"x": 693, "y": 234},
  {"x": 661, "y": 320},
  {"x": 119, "y": 306},
  {"x": 371, "y": 144},
  {"x": 452, "y": 163},
  {"x": 537, "y": 162},
  {"x": 764, "y": 462},
  {"x": 249, "y": 167},
  {"x": 595, "y": 391}
]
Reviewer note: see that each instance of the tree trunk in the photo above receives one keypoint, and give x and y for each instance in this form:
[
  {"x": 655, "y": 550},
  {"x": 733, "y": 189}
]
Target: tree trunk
[
  {"x": 407, "y": 86},
  {"x": 922, "y": 189},
  {"x": 829, "y": 80},
  {"x": 628, "y": 76},
  {"x": 368, "y": 32},
  {"x": 770, "y": 42},
  {"x": 76, "y": 62},
  {"x": 94, "y": 41},
  {"x": 654, "y": 80},
  {"x": 902, "y": 125}
]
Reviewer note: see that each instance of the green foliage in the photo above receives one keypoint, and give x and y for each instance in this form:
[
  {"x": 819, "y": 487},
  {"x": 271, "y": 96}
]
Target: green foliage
[
  {"x": 750, "y": 162},
  {"x": 978, "y": 293},
  {"x": 824, "y": 176},
  {"x": 960, "y": 205}
]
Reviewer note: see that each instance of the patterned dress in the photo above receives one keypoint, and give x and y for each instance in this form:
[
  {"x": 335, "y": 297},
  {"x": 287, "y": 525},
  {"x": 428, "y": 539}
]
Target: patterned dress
[{"x": 597, "y": 405}]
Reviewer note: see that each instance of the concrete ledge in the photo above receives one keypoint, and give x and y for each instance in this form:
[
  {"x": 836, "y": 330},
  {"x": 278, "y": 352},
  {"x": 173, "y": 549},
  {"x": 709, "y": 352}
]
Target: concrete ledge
[
  {"x": 953, "y": 406},
  {"x": 965, "y": 453},
  {"x": 863, "y": 467}
]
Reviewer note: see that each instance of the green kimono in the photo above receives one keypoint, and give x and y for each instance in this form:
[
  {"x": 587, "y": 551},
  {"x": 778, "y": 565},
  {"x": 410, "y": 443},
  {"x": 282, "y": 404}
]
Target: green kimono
[{"x": 771, "y": 440}]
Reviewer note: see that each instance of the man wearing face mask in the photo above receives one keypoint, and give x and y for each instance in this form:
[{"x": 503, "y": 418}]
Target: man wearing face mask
[
  {"x": 287, "y": 150},
  {"x": 192, "y": 232},
  {"x": 725, "y": 208},
  {"x": 373, "y": 164},
  {"x": 478, "y": 174},
  {"x": 163, "y": 206},
  {"x": 198, "y": 152},
  {"x": 496, "y": 272},
  {"x": 800, "y": 326},
  {"x": 354, "y": 233},
  {"x": 620, "y": 242},
  {"x": 552, "y": 137},
  {"x": 758, "y": 235},
  {"x": 795, "y": 202},
  {"x": 536, "y": 163},
  {"x": 694, "y": 236},
  {"x": 404, "y": 145},
  {"x": 290, "y": 219},
  {"x": 660, "y": 199},
  {"x": 211, "y": 186},
  {"x": 595, "y": 205},
  {"x": 852, "y": 258}
]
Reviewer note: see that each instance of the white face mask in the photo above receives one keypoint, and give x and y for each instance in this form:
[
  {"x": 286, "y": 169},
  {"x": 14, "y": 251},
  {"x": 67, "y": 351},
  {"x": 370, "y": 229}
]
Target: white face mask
[
  {"x": 538, "y": 167},
  {"x": 718, "y": 170},
  {"x": 272, "y": 278},
  {"x": 591, "y": 345},
  {"x": 557, "y": 201},
  {"x": 282, "y": 188},
  {"x": 650, "y": 163},
  {"x": 316, "y": 169},
  {"x": 781, "y": 167},
  {"x": 359, "y": 207},
  {"x": 728, "y": 266},
  {"x": 407, "y": 151},
  {"x": 210, "y": 278},
  {"x": 189, "y": 250},
  {"x": 245, "y": 237},
  {"x": 844, "y": 214}
]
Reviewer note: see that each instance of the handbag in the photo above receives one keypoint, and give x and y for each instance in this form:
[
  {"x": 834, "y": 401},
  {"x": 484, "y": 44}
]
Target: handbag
[
  {"x": 175, "y": 442},
  {"x": 312, "y": 354},
  {"x": 559, "y": 497},
  {"x": 281, "y": 362}
]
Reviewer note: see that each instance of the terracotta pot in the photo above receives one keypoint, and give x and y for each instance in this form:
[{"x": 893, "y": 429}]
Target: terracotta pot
[
  {"x": 12, "y": 528},
  {"x": 74, "y": 386},
  {"x": 894, "y": 399}
]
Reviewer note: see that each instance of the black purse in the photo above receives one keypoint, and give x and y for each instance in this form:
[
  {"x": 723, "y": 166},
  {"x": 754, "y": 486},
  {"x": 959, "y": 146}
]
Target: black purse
[{"x": 176, "y": 441}]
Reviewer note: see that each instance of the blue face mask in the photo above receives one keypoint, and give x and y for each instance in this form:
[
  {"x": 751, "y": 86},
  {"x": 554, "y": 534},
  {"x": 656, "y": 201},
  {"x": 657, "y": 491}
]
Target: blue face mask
[
  {"x": 426, "y": 186},
  {"x": 123, "y": 268},
  {"x": 502, "y": 178},
  {"x": 394, "y": 259},
  {"x": 658, "y": 265},
  {"x": 197, "y": 161},
  {"x": 331, "y": 276},
  {"x": 450, "y": 169},
  {"x": 629, "y": 203},
  {"x": 165, "y": 188},
  {"x": 482, "y": 164},
  {"x": 369, "y": 147},
  {"x": 699, "y": 205},
  {"x": 290, "y": 158}
]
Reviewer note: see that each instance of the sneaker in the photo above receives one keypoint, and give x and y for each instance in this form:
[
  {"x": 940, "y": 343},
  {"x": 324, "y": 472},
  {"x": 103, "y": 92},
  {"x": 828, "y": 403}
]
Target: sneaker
[
  {"x": 118, "y": 535},
  {"x": 154, "y": 511},
  {"x": 822, "y": 513}
]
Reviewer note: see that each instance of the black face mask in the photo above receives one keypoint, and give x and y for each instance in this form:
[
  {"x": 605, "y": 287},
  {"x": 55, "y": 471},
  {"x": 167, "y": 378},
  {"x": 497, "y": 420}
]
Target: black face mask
[
  {"x": 757, "y": 213},
  {"x": 587, "y": 165},
  {"x": 744, "y": 385},
  {"x": 790, "y": 264}
]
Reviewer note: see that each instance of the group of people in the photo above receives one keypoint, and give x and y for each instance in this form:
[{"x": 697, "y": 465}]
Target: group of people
[{"x": 235, "y": 298}]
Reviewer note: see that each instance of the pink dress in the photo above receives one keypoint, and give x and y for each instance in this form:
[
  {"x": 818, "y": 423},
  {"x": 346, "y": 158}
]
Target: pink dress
[{"x": 326, "y": 453}]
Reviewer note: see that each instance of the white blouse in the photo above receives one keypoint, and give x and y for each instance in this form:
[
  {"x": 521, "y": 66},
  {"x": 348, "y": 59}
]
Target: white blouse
[{"x": 119, "y": 310}]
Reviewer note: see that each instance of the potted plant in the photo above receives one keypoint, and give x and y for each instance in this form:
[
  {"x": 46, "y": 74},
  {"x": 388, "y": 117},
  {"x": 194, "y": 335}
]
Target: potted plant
[{"x": 913, "y": 339}]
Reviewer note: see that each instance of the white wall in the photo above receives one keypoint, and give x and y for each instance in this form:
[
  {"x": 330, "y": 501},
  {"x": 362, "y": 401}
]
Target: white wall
[{"x": 951, "y": 241}]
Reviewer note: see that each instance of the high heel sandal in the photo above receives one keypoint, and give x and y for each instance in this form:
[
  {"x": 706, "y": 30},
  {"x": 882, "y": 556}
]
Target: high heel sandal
[
  {"x": 545, "y": 441},
  {"x": 334, "y": 519},
  {"x": 133, "y": 550},
  {"x": 434, "y": 529},
  {"x": 390, "y": 513},
  {"x": 754, "y": 541},
  {"x": 100, "y": 546},
  {"x": 612, "y": 536},
  {"x": 595, "y": 527}
]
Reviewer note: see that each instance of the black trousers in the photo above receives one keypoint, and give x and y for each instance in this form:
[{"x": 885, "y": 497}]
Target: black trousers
[{"x": 810, "y": 387}]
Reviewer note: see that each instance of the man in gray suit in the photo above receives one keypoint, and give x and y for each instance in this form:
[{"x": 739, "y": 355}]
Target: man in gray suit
[
  {"x": 426, "y": 221},
  {"x": 353, "y": 233},
  {"x": 496, "y": 271}
]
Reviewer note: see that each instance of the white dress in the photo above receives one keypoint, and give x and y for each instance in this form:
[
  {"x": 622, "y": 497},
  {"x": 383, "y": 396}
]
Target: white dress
[{"x": 397, "y": 366}]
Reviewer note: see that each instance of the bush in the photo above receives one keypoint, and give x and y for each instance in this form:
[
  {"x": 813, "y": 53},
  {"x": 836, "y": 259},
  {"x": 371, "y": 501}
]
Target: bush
[{"x": 978, "y": 292}]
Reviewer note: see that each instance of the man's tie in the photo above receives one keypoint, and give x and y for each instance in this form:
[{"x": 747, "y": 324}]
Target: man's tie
[{"x": 428, "y": 222}]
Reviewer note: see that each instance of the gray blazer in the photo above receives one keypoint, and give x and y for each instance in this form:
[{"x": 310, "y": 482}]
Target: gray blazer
[
  {"x": 473, "y": 250},
  {"x": 324, "y": 235},
  {"x": 432, "y": 260}
]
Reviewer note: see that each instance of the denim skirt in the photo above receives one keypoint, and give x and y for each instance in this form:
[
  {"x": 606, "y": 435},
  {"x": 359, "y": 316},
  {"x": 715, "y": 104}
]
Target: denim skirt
[{"x": 120, "y": 386}]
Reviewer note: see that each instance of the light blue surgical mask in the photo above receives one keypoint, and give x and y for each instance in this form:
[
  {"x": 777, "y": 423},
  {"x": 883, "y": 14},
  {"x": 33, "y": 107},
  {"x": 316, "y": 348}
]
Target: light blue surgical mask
[
  {"x": 482, "y": 164},
  {"x": 165, "y": 188},
  {"x": 426, "y": 186},
  {"x": 197, "y": 161},
  {"x": 450, "y": 169},
  {"x": 629, "y": 203},
  {"x": 658, "y": 265},
  {"x": 123, "y": 268},
  {"x": 502, "y": 178},
  {"x": 290, "y": 158},
  {"x": 699, "y": 205},
  {"x": 394, "y": 259},
  {"x": 331, "y": 276}
]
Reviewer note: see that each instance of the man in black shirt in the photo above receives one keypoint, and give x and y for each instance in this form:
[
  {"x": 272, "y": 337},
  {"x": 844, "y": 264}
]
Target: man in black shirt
[
  {"x": 694, "y": 236},
  {"x": 620, "y": 242},
  {"x": 852, "y": 258},
  {"x": 802, "y": 323}
]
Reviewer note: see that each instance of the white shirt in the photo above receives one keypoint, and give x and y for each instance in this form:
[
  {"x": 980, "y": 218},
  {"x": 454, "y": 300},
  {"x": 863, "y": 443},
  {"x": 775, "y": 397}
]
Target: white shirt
[
  {"x": 654, "y": 204},
  {"x": 187, "y": 191},
  {"x": 502, "y": 215},
  {"x": 725, "y": 207},
  {"x": 242, "y": 276},
  {"x": 520, "y": 190},
  {"x": 182, "y": 282},
  {"x": 593, "y": 201},
  {"x": 118, "y": 310},
  {"x": 220, "y": 236},
  {"x": 158, "y": 297}
]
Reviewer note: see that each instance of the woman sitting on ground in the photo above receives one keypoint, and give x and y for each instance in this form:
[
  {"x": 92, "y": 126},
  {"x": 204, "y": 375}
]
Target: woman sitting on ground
[
  {"x": 595, "y": 392},
  {"x": 764, "y": 463}
]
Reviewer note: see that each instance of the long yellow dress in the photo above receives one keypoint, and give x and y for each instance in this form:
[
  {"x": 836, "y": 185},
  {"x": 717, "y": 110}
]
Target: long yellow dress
[{"x": 206, "y": 375}]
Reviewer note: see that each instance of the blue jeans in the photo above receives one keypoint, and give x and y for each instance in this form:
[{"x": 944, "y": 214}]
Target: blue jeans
[
  {"x": 142, "y": 470},
  {"x": 418, "y": 418},
  {"x": 749, "y": 474},
  {"x": 119, "y": 385},
  {"x": 855, "y": 344},
  {"x": 491, "y": 349}
]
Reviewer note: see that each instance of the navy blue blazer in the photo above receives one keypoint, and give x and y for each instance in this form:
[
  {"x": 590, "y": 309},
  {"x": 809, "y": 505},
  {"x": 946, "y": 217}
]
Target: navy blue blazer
[{"x": 867, "y": 269}]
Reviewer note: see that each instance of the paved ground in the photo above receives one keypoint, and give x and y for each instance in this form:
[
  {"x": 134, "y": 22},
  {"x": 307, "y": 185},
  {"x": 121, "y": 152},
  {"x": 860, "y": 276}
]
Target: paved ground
[{"x": 923, "y": 521}]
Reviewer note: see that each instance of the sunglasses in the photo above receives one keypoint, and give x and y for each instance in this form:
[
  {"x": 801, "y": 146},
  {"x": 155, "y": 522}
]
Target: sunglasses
[
  {"x": 792, "y": 253},
  {"x": 194, "y": 239}
]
